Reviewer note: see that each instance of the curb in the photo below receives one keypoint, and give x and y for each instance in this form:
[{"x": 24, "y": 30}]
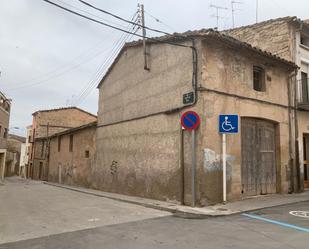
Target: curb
[
  {"x": 172, "y": 209},
  {"x": 177, "y": 210}
]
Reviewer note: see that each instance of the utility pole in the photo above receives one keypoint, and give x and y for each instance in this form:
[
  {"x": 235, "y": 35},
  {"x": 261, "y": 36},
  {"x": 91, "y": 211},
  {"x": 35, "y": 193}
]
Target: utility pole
[
  {"x": 142, "y": 19},
  {"x": 233, "y": 11},
  {"x": 217, "y": 12}
]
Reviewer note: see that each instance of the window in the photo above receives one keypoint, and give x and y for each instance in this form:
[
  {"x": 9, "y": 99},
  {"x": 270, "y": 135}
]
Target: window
[
  {"x": 5, "y": 134},
  {"x": 71, "y": 143},
  {"x": 304, "y": 40},
  {"x": 259, "y": 79},
  {"x": 87, "y": 153},
  {"x": 59, "y": 143},
  {"x": 304, "y": 87},
  {"x": 0, "y": 129},
  {"x": 42, "y": 149}
]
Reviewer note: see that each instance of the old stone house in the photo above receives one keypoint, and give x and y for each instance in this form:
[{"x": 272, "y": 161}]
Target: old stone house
[
  {"x": 5, "y": 109},
  {"x": 288, "y": 37},
  {"x": 13, "y": 156},
  {"x": 141, "y": 147},
  {"x": 72, "y": 155},
  {"x": 46, "y": 123}
]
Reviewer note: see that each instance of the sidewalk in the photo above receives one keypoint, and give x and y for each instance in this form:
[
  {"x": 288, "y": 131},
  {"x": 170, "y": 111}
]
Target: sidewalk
[{"x": 236, "y": 207}]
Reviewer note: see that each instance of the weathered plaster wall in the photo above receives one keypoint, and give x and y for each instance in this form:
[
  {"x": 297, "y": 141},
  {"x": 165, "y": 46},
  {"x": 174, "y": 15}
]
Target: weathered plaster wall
[
  {"x": 68, "y": 118},
  {"x": 129, "y": 91},
  {"x": 141, "y": 157},
  {"x": 229, "y": 71},
  {"x": 75, "y": 166}
]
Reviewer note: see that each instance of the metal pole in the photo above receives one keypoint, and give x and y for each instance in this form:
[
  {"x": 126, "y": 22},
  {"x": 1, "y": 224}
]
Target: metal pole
[
  {"x": 224, "y": 165},
  {"x": 193, "y": 168},
  {"x": 256, "y": 10},
  {"x": 181, "y": 165}
]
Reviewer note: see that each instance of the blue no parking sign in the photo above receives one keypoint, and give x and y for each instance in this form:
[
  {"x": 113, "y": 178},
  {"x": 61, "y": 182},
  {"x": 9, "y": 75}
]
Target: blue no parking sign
[{"x": 228, "y": 123}]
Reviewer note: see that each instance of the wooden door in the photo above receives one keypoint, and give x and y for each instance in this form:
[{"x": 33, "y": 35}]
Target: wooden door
[{"x": 258, "y": 167}]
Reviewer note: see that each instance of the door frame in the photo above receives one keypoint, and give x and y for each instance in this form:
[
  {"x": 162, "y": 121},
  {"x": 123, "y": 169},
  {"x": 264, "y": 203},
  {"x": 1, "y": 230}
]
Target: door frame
[{"x": 277, "y": 150}]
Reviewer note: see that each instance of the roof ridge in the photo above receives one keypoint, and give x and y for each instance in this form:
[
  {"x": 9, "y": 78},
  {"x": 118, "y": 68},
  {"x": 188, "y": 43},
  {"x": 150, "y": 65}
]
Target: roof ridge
[
  {"x": 262, "y": 23},
  {"x": 64, "y": 108}
]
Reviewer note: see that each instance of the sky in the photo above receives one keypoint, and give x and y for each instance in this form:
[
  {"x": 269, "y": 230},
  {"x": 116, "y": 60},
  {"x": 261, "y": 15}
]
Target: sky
[{"x": 50, "y": 58}]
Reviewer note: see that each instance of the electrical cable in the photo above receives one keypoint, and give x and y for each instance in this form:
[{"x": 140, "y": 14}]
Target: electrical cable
[
  {"x": 101, "y": 70},
  {"x": 116, "y": 47},
  {"x": 120, "y": 29},
  {"x": 122, "y": 19},
  {"x": 86, "y": 90}
]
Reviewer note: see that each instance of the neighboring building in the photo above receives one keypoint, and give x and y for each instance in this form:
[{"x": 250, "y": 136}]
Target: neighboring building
[
  {"x": 23, "y": 161},
  {"x": 46, "y": 123},
  {"x": 5, "y": 108},
  {"x": 141, "y": 148},
  {"x": 287, "y": 37},
  {"x": 72, "y": 155},
  {"x": 28, "y": 156},
  {"x": 13, "y": 155}
]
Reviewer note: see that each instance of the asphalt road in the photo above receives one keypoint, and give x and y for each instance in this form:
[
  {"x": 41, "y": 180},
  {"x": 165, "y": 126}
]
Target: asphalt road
[{"x": 147, "y": 228}]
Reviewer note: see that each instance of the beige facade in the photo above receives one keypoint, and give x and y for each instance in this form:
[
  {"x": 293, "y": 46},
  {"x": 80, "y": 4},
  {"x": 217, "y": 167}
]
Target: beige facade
[
  {"x": 141, "y": 148},
  {"x": 49, "y": 122},
  {"x": 5, "y": 108},
  {"x": 287, "y": 37},
  {"x": 13, "y": 155},
  {"x": 72, "y": 156}
]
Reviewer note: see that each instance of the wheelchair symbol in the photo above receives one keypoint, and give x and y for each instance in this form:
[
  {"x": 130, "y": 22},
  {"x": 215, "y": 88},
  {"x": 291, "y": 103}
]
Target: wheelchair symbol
[{"x": 227, "y": 125}]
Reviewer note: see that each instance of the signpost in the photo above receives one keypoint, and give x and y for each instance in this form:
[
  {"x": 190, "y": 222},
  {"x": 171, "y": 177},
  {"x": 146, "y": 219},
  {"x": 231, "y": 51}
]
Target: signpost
[
  {"x": 190, "y": 121},
  {"x": 227, "y": 124}
]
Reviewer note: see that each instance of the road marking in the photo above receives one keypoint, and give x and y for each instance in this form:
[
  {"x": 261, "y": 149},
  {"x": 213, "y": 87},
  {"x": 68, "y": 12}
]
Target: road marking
[
  {"x": 302, "y": 214},
  {"x": 277, "y": 222}
]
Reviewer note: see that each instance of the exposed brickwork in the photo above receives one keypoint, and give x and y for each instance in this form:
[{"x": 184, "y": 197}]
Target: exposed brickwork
[{"x": 272, "y": 35}]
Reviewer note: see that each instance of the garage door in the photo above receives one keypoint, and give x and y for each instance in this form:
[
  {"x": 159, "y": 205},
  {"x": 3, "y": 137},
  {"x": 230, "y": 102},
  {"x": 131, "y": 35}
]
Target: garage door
[{"x": 258, "y": 167}]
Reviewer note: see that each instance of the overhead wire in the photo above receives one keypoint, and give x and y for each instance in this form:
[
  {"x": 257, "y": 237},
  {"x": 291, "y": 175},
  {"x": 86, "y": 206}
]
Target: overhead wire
[
  {"x": 159, "y": 21},
  {"x": 121, "y": 18},
  {"x": 165, "y": 41},
  {"x": 89, "y": 84},
  {"x": 101, "y": 70},
  {"x": 93, "y": 82},
  {"x": 123, "y": 30}
]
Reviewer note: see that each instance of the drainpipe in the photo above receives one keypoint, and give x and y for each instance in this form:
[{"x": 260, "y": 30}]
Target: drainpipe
[
  {"x": 298, "y": 187},
  {"x": 293, "y": 134}
]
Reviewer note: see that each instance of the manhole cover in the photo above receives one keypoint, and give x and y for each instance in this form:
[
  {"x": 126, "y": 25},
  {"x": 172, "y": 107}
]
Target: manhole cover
[{"x": 302, "y": 214}]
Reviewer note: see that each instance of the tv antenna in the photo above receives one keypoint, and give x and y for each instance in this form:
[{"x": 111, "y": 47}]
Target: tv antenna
[
  {"x": 233, "y": 11},
  {"x": 217, "y": 12}
]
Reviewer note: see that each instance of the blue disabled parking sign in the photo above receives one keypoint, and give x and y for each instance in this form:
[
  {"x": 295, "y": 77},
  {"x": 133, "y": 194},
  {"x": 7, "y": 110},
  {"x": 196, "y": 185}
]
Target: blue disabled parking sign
[{"x": 228, "y": 123}]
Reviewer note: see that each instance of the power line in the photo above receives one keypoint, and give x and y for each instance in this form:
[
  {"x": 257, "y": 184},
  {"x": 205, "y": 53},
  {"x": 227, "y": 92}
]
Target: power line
[
  {"x": 119, "y": 42},
  {"x": 102, "y": 68},
  {"x": 159, "y": 21},
  {"x": 88, "y": 59},
  {"x": 122, "y": 19},
  {"x": 56, "y": 75},
  {"x": 87, "y": 90},
  {"x": 89, "y": 13},
  {"x": 192, "y": 47},
  {"x": 120, "y": 29}
]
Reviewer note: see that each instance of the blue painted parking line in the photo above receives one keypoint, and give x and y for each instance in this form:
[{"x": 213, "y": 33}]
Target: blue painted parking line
[{"x": 283, "y": 224}]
